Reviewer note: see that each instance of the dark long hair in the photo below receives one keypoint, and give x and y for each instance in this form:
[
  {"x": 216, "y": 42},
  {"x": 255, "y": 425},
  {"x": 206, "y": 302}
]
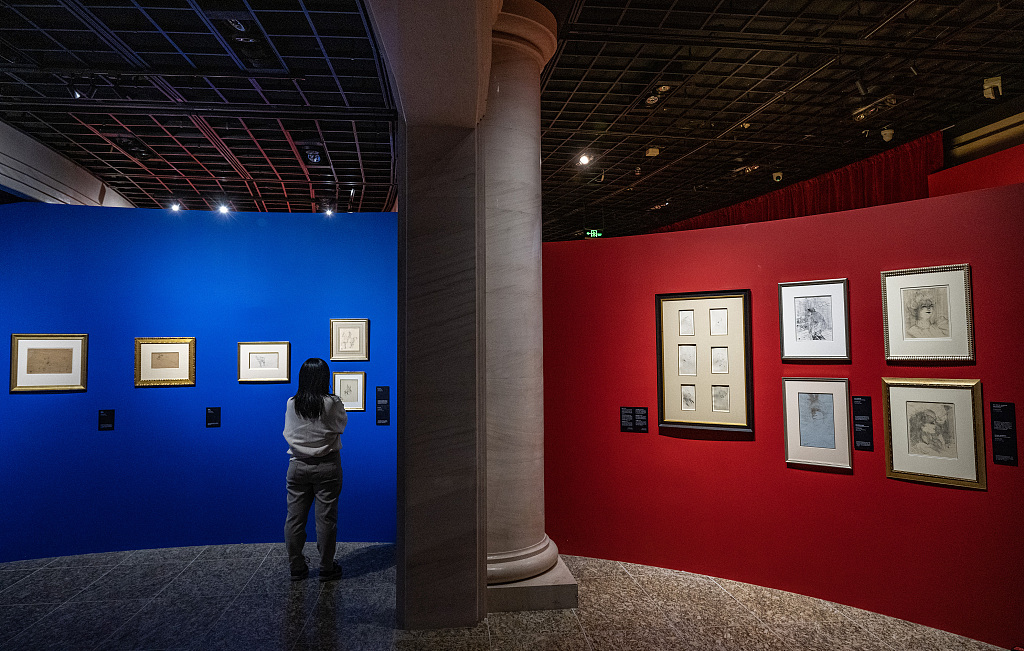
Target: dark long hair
[{"x": 314, "y": 386}]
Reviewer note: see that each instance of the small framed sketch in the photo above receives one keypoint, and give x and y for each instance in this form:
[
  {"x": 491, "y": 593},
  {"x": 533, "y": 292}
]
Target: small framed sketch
[
  {"x": 49, "y": 362},
  {"x": 704, "y": 364},
  {"x": 934, "y": 431},
  {"x": 351, "y": 388},
  {"x": 165, "y": 361},
  {"x": 928, "y": 314},
  {"x": 817, "y": 421},
  {"x": 350, "y": 340},
  {"x": 264, "y": 361},
  {"x": 814, "y": 320}
]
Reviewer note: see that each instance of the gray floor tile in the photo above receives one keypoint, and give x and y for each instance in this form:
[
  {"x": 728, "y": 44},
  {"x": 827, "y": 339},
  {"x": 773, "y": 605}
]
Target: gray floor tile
[
  {"x": 15, "y": 619},
  {"x": 212, "y": 578},
  {"x": 28, "y": 564},
  {"x": 612, "y": 603},
  {"x": 582, "y": 567},
  {"x": 245, "y": 550},
  {"x": 167, "y": 623},
  {"x": 537, "y": 622},
  {"x": 10, "y": 577},
  {"x": 165, "y": 555},
  {"x": 777, "y": 607},
  {"x": 75, "y": 626},
  {"x": 51, "y": 585},
  {"x": 575, "y": 641},
  {"x": 137, "y": 581},
  {"x": 105, "y": 559}
]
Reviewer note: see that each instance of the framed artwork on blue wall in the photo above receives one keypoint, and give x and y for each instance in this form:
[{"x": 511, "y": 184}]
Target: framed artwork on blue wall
[
  {"x": 49, "y": 362},
  {"x": 165, "y": 361},
  {"x": 350, "y": 340},
  {"x": 351, "y": 388},
  {"x": 264, "y": 361}
]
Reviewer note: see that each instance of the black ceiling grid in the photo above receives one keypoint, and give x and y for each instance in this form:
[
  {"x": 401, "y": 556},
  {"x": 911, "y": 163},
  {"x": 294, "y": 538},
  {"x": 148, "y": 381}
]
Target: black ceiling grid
[
  {"x": 283, "y": 105},
  {"x": 263, "y": 106}
]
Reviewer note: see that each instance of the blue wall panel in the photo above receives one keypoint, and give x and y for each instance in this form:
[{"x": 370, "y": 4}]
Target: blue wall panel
[{"x": 161, "y": 477}]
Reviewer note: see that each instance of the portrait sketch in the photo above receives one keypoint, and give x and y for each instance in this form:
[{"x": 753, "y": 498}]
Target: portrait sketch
[
  {"x": 263, "y": 360},
  {"x": 719, "y": 398},
  {"x": 685, "y": 323},
  {"x": 687, "y": 359},
  {"x": 164, "y": 359},
  {"x": 926, "y": 312},
  {"x": 348, "y": 339},
  {"x": 817, "y": 420},
  {"x": 931, "y": 429},
  {"x": 813, "y": 315},
  {"x": 720, "y": 321},
  {"x": 49, "y": 360},
  {"x": 689, "y": 397},
  {"x": 720, "y": 359}
]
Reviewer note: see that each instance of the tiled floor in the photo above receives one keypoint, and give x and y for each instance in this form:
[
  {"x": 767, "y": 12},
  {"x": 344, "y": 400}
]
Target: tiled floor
[{"x": 239, "y": 597}]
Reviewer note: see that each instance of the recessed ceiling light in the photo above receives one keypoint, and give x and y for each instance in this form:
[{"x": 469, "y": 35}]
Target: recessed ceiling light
[
  {"x": 584, "y": 159},
  {"x": 223, "y": 210},
  {"x": 175, "y": 207}
]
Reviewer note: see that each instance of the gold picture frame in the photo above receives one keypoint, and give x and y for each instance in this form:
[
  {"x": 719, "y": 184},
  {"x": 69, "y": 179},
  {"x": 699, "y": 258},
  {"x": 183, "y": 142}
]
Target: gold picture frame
[
  {"x": 350, "y": 340},
  {"x": 49, "y": 362},
  {"x": 165, "y": 361},
  {"x": 350, "y": 386},
  {"x": 934, "y": 431},
  {"x": 704, "y": 364}
]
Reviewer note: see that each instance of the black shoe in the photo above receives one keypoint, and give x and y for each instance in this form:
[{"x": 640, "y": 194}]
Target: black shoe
[
  {"x": 301, "y": 574},
  {"x": 333, "y": 575}
]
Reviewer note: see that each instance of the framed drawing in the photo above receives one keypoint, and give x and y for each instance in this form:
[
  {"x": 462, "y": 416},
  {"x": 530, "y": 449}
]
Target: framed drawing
[
  {"x": 49, "y": 362},
  {"x": 817, "y": 421},
  {"x": 704, "y": 364},
  {"x": 165, "y": 361},
  {"x": 264, "y": 361},
  {"x": 350, "y": 340},
  {"x": 934, "y": 431},
  {"x": 351, "y": 388},
  {"x": 928, "y": 314},
  {"x": 814, "y": 320}
]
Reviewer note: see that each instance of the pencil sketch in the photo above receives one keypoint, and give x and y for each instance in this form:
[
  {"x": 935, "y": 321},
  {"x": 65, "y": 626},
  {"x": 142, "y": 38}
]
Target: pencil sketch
[
  {"x": 348, "y": 339},
  {"x": 164, "y": 359},
  {"x": 687, "y": 359},
  {"x": 689, "y": 397},
  {"x": 926, "y": 312},
  {"x": 720, "y": 321},
  {"x": 931, "y": 429},
  {"x": 720, "y": 359},
  {"x": 813, "y": 318},
  {"x": 719, "y": 398},
  {"x": 49, "y": 360},
  {"x": 348, "y": 390},
  {"x": 817, "y": 420},
  {"x": 263, "y": 360},
  {"x": 685, "y": 323}
]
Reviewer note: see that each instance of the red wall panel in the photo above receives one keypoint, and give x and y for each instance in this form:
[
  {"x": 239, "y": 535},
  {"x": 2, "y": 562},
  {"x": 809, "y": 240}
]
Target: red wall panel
[
  {"x": 1001, "y": 168},
  {"x": 945, "y": 557}
]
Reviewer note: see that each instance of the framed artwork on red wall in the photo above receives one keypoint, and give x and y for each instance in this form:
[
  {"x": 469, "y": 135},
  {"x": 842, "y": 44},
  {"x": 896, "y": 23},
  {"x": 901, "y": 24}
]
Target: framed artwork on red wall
[
  {"x": 817, "y": 422},
  {"x": 934, "y": 431},
  {"x": 704, "y": 363},
  {"x": 928, "y": 315},
  {"x": 814, "y": 321}
]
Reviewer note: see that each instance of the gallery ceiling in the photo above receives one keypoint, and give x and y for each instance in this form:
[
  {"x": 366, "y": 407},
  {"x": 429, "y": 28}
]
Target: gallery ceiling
[{"x": 283, "y": 105}]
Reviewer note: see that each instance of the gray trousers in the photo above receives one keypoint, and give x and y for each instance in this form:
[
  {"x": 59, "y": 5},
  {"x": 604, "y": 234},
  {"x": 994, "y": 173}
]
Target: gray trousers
[{"x": 316, "y": 479}]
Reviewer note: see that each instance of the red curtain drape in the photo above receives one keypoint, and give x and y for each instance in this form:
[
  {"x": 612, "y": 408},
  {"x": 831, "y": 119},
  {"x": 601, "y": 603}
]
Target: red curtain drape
[{"x": 900, "y": 174}]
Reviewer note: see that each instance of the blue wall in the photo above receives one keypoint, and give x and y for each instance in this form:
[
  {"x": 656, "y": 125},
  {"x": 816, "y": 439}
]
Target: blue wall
[{"x": 162, "y": 478}]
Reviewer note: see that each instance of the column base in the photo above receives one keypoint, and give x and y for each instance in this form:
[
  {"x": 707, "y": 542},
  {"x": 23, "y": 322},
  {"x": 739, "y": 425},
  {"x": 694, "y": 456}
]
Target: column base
[{"x": 552, "y": 590}]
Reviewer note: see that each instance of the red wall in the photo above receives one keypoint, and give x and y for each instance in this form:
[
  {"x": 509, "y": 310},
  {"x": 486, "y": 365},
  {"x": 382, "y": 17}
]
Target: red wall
[
  {"x": 945, "y": 557},
  {"x": 1001, "y": 168}
]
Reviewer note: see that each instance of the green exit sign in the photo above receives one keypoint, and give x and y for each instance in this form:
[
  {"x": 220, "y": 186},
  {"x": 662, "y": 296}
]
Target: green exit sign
[{"x": 593, "y": 232}]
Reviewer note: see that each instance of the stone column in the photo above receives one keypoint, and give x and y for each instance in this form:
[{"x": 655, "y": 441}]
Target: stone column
[{"x": 517, "y": 547}]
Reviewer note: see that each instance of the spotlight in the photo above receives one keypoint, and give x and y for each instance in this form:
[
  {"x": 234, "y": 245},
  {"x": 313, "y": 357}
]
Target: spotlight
[
  {"x": 223, "y": 209},
  {"x": 584, "y": 159},
  {"x": 888, "y": 133},
  {"x": 328, "y": 212},
  {"x": 777, "y": 177},
  {"x": 992, "y": 88},
  {"x": 652, "y": 152},
  {"x": 175, "y": 206},
  {"x": 313, "y": 156}
]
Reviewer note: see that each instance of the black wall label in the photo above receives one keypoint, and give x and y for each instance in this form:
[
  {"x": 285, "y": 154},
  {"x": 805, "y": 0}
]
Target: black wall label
[
  {"x": 213, "y": 416},
  {"x": 863, "y": 427},
  {"x": 383, "y": 405},
  {"x": 1004, "y": 433},
  {"x": 106, "y": 419},
  {"x": 633, "y": 419}
]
